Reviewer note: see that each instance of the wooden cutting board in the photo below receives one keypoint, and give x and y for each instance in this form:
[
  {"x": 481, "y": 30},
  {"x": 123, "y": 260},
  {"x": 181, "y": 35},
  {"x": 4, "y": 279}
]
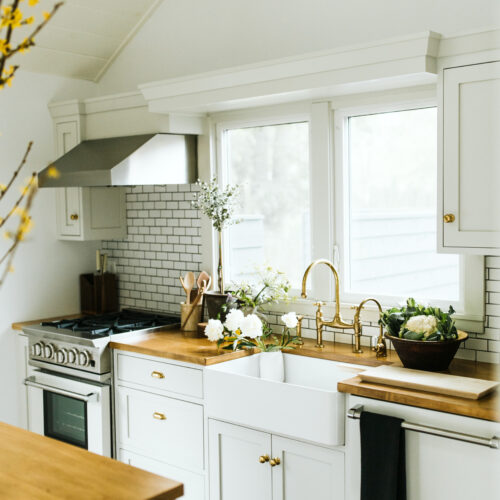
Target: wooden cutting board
[{"x": 440, "y": 383}]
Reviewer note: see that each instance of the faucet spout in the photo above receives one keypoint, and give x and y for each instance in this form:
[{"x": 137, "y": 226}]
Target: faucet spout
[
  {"x": 381, "y": 347},
  {"x": 335, "y": 276},
  {"x": 337, "y": 321}
]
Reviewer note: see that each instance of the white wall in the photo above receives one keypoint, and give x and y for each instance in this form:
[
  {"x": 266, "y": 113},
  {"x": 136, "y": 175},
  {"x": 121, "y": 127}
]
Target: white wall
[
  {"x": 45, "y": 281},
  {"x": 194, "y": 36}
]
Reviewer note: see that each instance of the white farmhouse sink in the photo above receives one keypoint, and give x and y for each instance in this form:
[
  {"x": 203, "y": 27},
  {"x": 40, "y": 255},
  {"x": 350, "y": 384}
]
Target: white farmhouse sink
[{"x": 306, "y": 406}]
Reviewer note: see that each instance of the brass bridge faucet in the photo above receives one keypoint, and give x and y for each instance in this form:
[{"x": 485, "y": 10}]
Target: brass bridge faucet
[{"x": 337, "y": 321}]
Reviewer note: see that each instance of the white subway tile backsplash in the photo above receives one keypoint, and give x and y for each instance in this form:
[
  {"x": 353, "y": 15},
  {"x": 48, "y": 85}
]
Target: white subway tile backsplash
[{"x": 164, "y": 242}]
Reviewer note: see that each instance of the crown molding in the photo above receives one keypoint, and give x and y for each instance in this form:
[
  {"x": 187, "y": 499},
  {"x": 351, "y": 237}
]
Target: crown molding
[{"x": 392, "y": 63}]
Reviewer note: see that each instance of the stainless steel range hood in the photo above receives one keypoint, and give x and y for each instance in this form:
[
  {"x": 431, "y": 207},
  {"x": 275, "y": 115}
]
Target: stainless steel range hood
[{"x": 126, "y": 161}]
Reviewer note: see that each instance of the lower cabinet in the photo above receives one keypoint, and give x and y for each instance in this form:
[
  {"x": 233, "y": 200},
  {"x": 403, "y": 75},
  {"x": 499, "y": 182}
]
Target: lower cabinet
[
  {"x": 159, "y": 419},
  {"x": 194, "y": 484},
  {"x": 246, "y": 464}
]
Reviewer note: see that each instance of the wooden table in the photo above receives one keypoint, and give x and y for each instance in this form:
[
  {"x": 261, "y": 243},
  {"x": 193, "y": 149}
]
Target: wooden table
[{"x": 35, "y": 467}]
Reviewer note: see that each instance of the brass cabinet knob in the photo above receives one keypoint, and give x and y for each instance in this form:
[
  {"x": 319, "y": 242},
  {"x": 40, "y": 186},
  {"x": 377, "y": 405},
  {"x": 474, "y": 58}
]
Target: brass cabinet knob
[
  {"x": 263, "y": 459},
  {"x": 156, "y": 374},
  {"x": 73, "y": 216},
  {"x": 449, "y": 218},
  {"x": 274, "y": 462},
  {"x": 159, "y": 416}
]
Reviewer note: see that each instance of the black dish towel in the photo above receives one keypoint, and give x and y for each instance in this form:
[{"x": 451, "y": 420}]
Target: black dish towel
[{"x": 383, "y": 471}]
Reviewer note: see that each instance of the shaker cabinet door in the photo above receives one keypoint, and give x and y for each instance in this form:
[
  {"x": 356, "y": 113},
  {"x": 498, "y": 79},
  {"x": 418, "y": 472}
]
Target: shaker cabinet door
[
  {"x": 236, "y": 472},
  {"x": 306, "y": 471},
  {"x": 471, "y": 159}
]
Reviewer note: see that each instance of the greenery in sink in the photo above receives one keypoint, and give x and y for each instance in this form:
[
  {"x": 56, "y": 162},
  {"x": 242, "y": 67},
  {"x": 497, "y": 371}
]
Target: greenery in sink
[{"x": 418, "y": 322}]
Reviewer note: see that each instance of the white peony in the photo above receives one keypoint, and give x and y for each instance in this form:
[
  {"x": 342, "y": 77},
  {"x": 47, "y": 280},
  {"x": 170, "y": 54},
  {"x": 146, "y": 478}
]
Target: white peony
[
  {"x": 422, "y": 324},
  {"x": 214, "y": 330},
  {"x": 251, "y": 326},
  {"x": 234, "y": 319},
  {"x": 290, "y": 320}
]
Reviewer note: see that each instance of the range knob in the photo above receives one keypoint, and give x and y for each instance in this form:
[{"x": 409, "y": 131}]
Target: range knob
[
  {"x": 48, "y": 351},
  {"x": 62, "y": 355},
  {"x": 83, "y": 358},
  {"x": 72, "y": 356},
  {"x": 38, "y": 349}
]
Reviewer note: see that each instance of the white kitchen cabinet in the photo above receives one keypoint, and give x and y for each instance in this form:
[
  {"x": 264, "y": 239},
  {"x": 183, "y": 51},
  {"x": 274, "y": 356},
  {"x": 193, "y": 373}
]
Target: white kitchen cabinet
[
  {"x": 160, "y": 418},
  {"x": 86, "y": 213},
  {"x": 236, "y": 472},
  {"x": 306, "y": 471},
  {"x": 303, "y": 471},
  {"x": 194, "y": 484},
  {"x": 24, "y": 370},
  {"x": 470, "y": 177},
  {"x": 437, "y": 468}
]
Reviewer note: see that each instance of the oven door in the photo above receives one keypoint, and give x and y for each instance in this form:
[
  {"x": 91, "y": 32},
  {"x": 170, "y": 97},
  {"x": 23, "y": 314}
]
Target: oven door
[{"x": 70, "y": 410}]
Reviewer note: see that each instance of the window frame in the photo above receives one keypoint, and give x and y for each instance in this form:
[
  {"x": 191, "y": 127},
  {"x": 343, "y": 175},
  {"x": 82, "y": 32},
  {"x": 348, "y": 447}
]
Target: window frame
[
  {"x": 470, "y": 305},
  {"x": 326, "y": 119},
  {"x": 249, "y": 119}
]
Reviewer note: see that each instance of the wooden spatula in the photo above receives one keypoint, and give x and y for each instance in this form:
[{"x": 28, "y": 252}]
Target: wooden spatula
[{"x": 188, "y": 284}]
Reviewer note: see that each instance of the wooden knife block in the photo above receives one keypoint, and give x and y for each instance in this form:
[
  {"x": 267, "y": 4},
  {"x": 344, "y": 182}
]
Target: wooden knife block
[{"x": 99, "y": 293}]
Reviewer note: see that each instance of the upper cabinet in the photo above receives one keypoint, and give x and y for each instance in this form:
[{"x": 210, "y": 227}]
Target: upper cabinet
[
  {"x": 86, "y": 213},
  {"x": 470, "y": 176}
]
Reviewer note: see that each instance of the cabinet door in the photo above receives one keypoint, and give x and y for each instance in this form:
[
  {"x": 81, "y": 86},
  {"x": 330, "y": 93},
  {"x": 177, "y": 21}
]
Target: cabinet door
[
  {"x": 471, "y": 158},
  {"x": 68, "y": 200},
  {"x": 235, "y": 470},
  {"x": 194, "y": 484},
  {"x": 306, "y": 471}
]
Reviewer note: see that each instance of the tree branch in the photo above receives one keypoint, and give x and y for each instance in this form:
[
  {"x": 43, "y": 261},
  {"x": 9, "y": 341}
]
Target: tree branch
[{"x": 18, "y": 169}]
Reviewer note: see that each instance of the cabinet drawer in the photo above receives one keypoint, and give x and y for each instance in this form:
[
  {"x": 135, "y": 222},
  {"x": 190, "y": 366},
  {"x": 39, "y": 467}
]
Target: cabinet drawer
[
  {"x": 160, "y": 375},
  {"x": 164, "y": 428},
  {"x": 194, "y": 484}
]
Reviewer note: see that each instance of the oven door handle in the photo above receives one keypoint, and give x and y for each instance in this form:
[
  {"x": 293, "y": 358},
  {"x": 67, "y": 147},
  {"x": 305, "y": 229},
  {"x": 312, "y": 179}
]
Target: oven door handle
[{"x": 91, "y": 396}]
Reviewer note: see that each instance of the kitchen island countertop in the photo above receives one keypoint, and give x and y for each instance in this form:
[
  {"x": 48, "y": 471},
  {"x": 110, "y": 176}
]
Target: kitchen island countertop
[{"x": 41, "y": 468}]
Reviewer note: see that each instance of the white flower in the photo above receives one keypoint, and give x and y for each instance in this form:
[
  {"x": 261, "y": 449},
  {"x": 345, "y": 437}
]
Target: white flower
[
  {"x": 214, "y": 330},
  {"x": 251, "y": 326},
  {"x": 290, "y": 320},
  {"x": 234, "y": 319},
  {"x": 422, "y": 324}
]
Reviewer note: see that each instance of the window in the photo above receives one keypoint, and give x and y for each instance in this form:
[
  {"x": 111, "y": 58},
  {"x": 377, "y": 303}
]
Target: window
[
  {"x": 390, "y": 219},
  {"x": 271, "y": 164}
]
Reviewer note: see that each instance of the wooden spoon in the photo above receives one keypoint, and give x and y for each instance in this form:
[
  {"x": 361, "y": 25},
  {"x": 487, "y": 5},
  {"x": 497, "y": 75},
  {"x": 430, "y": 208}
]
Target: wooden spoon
[
  {"x": 188, "y": 285},
  {"x": 203, "y": 277}
]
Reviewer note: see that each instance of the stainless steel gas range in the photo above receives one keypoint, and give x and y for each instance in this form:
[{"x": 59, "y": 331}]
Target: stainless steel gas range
[{"x": 69, "y": 394}]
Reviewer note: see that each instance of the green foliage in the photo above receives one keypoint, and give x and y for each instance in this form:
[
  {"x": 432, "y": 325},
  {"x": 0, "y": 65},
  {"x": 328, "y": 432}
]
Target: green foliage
[
  {"x": 395, "y": 321},
  {"x": 216, "y": 203}
]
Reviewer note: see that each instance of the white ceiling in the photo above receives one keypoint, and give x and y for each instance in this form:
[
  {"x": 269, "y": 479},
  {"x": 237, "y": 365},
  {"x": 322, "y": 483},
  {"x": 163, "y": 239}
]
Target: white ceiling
[{"x": 84, "y": 36}]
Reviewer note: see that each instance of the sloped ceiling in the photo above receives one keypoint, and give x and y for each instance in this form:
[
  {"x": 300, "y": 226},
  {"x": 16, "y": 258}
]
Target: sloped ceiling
[{"x": 84, "y": 36}]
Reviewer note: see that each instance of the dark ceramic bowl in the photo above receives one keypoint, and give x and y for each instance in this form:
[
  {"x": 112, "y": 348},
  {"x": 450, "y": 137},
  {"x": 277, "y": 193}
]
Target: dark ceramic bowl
[{"x": 430, "y": 356}]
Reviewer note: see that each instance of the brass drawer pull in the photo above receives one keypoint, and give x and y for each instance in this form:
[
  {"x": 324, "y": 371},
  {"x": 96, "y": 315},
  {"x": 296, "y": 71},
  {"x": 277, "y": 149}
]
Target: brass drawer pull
[
  {"x": 448, "y": 218},
  {"x": 274, "y": 462},
  {"x": 159, "y": 416},
  {"x": 156, "y": 374},
  {"x": 263, "y": 459},
  {"x": 73, "y": 216}
]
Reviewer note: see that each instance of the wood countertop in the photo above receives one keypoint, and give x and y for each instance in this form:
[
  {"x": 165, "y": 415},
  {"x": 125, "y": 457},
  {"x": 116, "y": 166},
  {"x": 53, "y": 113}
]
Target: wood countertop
[
  {"x": 170, "y": 343},
  {"x": 486, "y": 408},
  {"x": 41, "y": 468}
]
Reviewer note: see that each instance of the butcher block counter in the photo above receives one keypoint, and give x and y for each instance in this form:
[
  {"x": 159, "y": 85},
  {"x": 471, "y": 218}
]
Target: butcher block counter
[
  {"x": 41, "y": 468},
  {"x": 170, "y": 343}
]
